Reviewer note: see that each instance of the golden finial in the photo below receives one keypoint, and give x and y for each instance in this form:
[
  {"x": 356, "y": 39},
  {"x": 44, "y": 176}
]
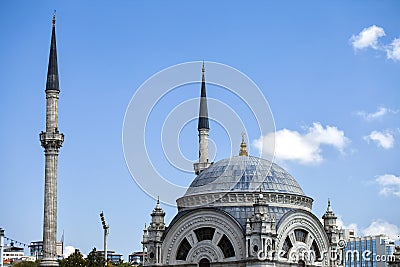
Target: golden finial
[{"x": 243, "y": 147}]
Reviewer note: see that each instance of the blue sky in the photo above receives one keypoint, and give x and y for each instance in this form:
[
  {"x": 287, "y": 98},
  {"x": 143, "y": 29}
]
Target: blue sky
[{"x": 330, "y": 77}]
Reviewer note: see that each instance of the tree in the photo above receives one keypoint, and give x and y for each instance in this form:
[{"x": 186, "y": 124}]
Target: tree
[
  {"x": 94, "y": 259},
  {"x": 27, "y": 264},
  {"x": 74, "y": 260}
]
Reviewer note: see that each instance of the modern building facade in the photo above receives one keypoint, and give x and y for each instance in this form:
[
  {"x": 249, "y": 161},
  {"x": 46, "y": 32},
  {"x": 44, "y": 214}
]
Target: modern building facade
[
  {"x": 51, "y": 141},
  {"x": 112, "y": 256},
  {"x": 395, "y": 262},
  {"x": 36, "y": 250},
  {"x": 136, "y": 258},
  {"x": 12, "y": 253},
  {"x": 369, "y": 251},
  {"x": 240, "y": 211}
]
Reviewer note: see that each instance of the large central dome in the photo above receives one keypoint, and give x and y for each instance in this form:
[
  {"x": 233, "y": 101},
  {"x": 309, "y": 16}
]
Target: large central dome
[
  {"x": 233, "y": 185},
  {"x": 244, "y": 174}
]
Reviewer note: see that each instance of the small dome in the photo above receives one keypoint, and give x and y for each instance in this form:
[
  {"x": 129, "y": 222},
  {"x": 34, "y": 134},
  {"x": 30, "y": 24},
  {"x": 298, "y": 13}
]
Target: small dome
[{"x": 244, "y": 174}]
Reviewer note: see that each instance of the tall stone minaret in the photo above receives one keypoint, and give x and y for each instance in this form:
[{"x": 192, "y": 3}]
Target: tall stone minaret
[
  {"x": 203, "y": 128},
  {"x": 51, "y": 141}
]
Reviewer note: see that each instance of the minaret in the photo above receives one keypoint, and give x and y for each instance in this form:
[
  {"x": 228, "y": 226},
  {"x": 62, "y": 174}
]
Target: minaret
[
  {"x": 152, "y": 242},
  {"x": 51, "y": 141},
  {"x": 329, "y": 220},
  {"x": 332, "y": 232},
  {"x": 203, "y": 128}
]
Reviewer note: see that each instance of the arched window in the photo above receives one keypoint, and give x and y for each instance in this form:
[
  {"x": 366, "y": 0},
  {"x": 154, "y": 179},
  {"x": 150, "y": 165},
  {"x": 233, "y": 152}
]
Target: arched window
[
  {"x": 314, "y": 247},
  {"x": 204, "y": 233},
  {"x": 287, "y": 245},
  {"x": 301, "y": 235},
  {"x": 183, "y": 250},
  {"x": 226, "y": 246}
]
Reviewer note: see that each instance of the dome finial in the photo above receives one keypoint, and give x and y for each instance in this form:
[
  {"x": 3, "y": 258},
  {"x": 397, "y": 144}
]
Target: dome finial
[
  {"x": 243, "y": 147},
  {"x": 329, "y": 208}
]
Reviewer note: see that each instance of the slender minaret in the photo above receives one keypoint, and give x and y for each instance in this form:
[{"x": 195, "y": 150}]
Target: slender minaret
[
  {"x": 51, "y": 141},
  {"x": 203, "y": 128},
  {"x": 332, "y": 232}
]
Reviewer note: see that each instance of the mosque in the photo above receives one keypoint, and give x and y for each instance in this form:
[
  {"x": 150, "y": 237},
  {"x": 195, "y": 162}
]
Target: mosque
[{"x": 240, "y": 211}]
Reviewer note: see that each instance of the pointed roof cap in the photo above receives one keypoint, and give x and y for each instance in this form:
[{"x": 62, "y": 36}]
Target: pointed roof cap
[
  {"x": 52, "y": 71},
  {"x": 158, "y": 211},
  {"x": 329, "y": 212},
  {"x": 203, "y": 113}
]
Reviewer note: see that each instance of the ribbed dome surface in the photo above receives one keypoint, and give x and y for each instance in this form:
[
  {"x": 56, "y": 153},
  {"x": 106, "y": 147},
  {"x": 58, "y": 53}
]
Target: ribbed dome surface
[{"x": 244, "y": 174}]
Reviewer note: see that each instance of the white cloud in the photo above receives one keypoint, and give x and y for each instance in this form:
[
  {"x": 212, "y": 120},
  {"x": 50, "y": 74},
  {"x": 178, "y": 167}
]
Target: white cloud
[
  {"x": 380, "y": 112},
  {"x": 389, "y": 184},
  {"x": 382, "y": 227},
  {"x": 304, "y": 148},
  {"x": 368, "y": 37},
  {"x": 68, "y": 250},
  {"x": 393, "y": 50},
  {"x": 341, "y": 225},
  {"x": 377, "y": 227},
  {"x": 383, "y": 139}
]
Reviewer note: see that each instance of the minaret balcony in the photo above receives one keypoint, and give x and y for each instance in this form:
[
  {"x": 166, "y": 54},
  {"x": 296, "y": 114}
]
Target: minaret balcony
[
  {"x": 200, "y": 166},
  {"x": 51, "y": 138}
]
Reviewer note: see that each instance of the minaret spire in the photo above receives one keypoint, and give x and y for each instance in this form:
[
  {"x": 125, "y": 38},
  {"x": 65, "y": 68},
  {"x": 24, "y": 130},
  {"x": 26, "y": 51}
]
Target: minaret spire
[
  {"x": 51, "y": 140},
  {"x": 203, "y": 113},
  {"x": 52, "y": 71},
  {"x": 203, "y": 128}
]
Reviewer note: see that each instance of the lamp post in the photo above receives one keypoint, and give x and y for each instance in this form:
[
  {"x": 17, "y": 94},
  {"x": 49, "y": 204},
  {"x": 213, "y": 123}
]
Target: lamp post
[
  {"x": 1, "y": 246},
  {"x": 105, "y": 228}
]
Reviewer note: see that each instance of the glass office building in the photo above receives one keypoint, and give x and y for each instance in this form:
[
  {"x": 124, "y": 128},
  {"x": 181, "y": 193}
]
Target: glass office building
[{"x": 368, "y": 251}]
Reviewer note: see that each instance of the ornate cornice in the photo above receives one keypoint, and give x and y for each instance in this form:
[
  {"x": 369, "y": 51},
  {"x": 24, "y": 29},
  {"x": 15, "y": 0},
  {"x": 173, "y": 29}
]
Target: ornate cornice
[{"x": 244, "y": 199}]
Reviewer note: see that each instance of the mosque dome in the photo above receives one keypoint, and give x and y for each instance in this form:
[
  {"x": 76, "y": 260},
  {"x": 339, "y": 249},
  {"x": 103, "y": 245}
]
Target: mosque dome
[
  {"x": 233, "y": 185},
  {"x": 244, "y": 174}
]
